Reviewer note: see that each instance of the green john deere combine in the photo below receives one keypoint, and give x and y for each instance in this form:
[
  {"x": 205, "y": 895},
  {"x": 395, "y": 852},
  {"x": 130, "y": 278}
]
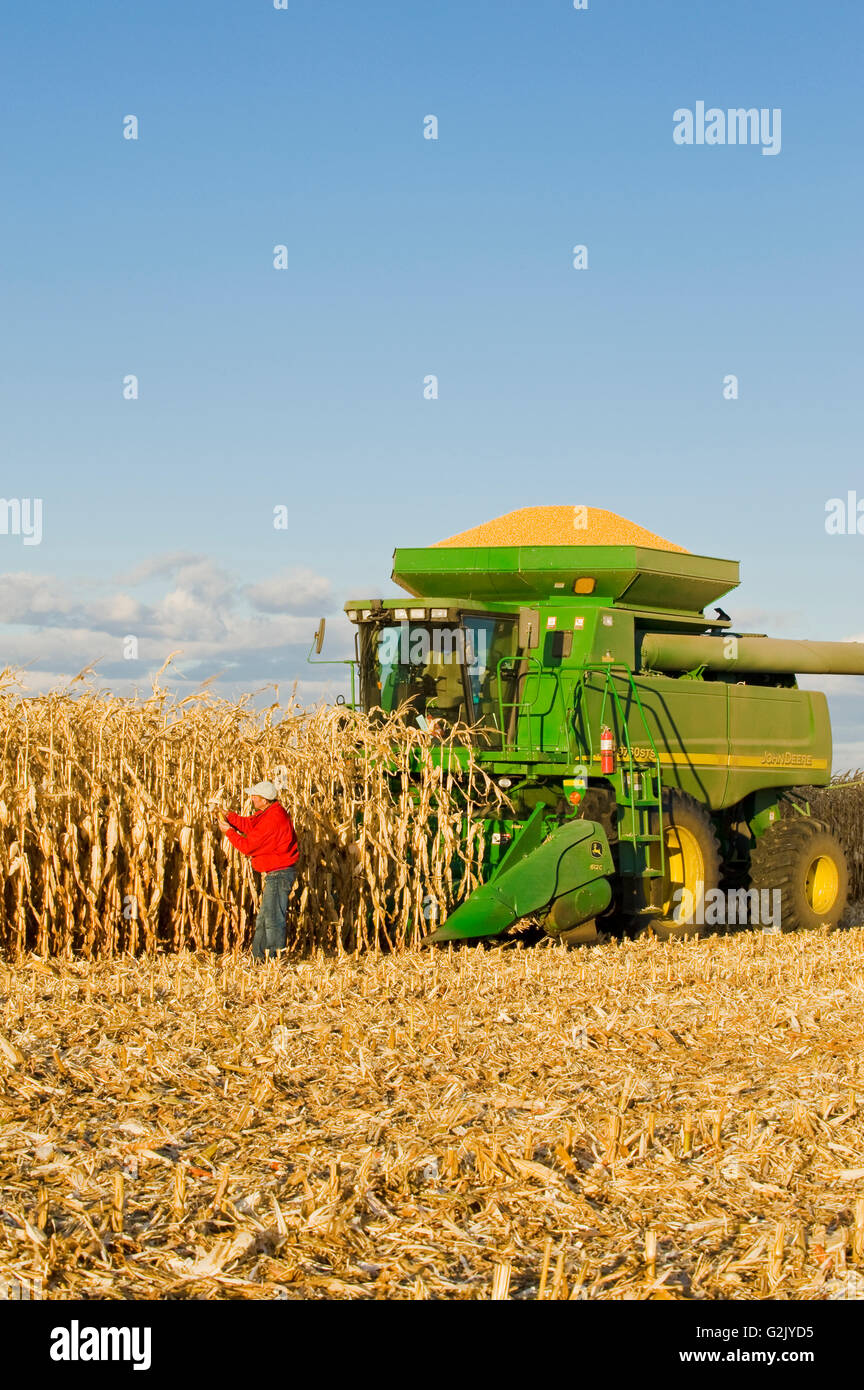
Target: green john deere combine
[{"x": 647, "y": 750}]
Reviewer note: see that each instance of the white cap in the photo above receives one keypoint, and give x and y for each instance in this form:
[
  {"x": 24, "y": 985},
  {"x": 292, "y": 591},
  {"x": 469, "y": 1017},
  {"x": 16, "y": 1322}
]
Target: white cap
[{"x": 266, "y": 789}]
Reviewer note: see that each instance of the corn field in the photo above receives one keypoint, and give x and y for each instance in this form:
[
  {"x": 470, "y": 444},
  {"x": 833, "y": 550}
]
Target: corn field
[{"x": 107, "y": 841}]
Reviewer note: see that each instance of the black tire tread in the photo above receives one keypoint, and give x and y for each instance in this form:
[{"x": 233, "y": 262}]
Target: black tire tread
[{"x": 777, "y": 861}]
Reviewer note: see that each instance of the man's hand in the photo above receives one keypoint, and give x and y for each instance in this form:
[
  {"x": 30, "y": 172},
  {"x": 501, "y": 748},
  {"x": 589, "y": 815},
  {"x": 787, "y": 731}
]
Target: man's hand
[{"x": 222, "y": 823}]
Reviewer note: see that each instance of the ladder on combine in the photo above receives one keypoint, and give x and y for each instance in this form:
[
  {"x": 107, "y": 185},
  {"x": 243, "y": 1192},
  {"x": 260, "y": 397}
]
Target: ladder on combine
[{"x": 641, "y": 782}]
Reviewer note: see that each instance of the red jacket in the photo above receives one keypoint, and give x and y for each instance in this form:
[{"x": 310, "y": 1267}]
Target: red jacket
[{"x": 268, "y": 838}]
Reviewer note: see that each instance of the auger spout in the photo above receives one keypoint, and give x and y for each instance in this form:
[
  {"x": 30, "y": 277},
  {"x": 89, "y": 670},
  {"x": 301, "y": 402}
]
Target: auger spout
[{"x": 671, "y": 651}]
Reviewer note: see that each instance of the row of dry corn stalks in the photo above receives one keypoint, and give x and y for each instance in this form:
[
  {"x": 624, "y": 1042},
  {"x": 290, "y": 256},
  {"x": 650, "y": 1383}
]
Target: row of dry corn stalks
[
  {"x": 107, "y": 842},
  {"x": 841, "y": 806}
]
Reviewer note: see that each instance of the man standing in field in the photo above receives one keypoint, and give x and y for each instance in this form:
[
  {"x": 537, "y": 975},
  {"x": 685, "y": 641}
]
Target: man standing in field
[{"x": 268, "y": 838}]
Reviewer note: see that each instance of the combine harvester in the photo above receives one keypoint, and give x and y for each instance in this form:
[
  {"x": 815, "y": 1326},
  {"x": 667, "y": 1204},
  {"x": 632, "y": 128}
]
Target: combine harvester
[{"x": 649, "y": 753}]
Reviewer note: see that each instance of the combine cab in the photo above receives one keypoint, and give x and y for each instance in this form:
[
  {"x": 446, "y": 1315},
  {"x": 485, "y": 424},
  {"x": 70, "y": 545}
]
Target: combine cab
[{"x": 647, "y": 750}]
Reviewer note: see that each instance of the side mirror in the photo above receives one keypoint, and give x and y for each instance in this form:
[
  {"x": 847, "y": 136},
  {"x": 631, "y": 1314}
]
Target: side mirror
[
  {"x": 318, "y": 639},
  {"x": 529, "y": 629}
]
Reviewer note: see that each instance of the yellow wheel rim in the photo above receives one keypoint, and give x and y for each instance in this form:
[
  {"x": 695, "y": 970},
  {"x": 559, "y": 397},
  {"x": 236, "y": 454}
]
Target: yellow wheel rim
[
  {"x": 684, "y": 883},
  {"x": 822, "y": 883}
]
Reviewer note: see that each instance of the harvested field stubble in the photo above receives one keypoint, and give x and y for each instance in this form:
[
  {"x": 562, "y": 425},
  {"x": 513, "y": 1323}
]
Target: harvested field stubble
[
  {"x": 107, "y": 841},
  {"x": 641, "y": 1120}
]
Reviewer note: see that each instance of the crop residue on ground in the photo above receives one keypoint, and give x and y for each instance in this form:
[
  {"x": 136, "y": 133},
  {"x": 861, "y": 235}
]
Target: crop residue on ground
[{"x": 626, "y": 1121}]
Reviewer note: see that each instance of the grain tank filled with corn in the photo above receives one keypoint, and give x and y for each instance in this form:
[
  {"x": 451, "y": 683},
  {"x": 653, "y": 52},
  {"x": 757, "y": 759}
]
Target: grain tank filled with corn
[{"x": 648, "y": 752}]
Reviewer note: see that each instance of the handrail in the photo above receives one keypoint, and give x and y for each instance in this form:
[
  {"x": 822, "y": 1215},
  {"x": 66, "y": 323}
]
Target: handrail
[
  {"x": 519, "y": 662},
  {"x": 351, "y": 661},
  {"x": 521, "y": 703},
  {"x": 606, "y": 668}
]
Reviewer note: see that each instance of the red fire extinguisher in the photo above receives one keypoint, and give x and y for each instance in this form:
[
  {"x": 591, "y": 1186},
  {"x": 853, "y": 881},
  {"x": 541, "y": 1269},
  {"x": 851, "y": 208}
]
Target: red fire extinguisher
[{"x": 607, "y": 751}]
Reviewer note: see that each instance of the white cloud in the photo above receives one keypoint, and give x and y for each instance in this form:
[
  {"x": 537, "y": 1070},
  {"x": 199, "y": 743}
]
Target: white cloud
[
  {"x": 293, "y": 591},
  {"x": 33, "y": 598},
  {"x": 765, "y": 620},
  {"x": 261, "y": 631},
  {"x": 842, "y": 686},
  {"x": 205, "y": 580},
  {"x": 307, "y": 692},
  {"x": 157, "y": 567}
]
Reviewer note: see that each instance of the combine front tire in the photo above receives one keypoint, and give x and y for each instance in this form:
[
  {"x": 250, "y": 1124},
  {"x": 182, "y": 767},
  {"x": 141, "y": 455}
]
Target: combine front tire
[
  {"x": 804, "y": 861},
  {"x": 692, "y": 866}
]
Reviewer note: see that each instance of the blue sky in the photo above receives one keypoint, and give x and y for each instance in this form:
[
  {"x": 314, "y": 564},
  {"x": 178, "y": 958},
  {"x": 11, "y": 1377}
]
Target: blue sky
[{"x": 406, "y": 257}]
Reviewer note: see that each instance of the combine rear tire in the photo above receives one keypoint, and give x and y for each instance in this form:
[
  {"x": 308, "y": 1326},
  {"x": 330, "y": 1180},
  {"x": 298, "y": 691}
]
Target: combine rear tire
[
  {"x": 692, "y": 864},
  {"x": 807, "y": 864}
]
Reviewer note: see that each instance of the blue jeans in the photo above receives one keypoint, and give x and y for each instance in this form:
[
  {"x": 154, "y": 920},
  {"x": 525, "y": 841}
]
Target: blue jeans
[{"x": 271, "y": 932}]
